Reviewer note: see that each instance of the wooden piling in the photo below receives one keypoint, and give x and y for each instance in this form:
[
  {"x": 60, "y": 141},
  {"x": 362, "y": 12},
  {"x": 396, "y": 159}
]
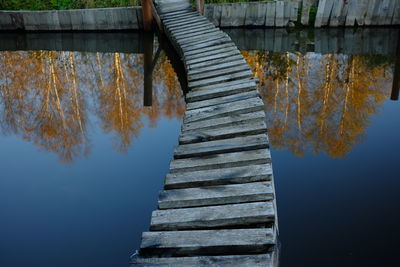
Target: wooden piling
[
  {"x": 148, "y": 69},
  {"x": 147, "y": 15}
]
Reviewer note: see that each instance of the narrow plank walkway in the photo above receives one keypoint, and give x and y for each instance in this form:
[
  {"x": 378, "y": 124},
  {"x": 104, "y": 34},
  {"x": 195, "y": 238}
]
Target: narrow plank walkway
[{"x": 217, "y": 207}]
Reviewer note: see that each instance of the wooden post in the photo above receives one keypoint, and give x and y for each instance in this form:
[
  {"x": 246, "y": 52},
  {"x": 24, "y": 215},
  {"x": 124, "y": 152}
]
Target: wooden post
[
  {"x": 396, "y": 74},
  {"x": 148, "y": 39},
  {"x": 147, "y": 15},
  {"x": 200, "y": 6}
]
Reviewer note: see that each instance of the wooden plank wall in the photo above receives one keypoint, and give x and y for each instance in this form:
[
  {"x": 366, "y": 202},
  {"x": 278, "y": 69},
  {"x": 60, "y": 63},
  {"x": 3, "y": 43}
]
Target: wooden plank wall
[
  {"x": 350, "y": 13},
  {"x": 262, "y": 14}
]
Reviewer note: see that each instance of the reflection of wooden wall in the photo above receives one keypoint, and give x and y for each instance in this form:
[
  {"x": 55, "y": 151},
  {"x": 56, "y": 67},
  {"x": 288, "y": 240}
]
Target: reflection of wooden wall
[
  {"x": 358, "y": 12},
  {"x": 378, "y": 41},
  {"x": 269, "y": 14},
  {"x": 124, "y": 42}
]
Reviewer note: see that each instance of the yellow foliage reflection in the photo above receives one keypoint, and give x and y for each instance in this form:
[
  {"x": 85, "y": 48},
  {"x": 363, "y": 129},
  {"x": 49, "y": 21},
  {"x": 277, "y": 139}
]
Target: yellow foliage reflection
[
  {"x": 47, "y": 97},
  {"x": 320, "y": 103}
]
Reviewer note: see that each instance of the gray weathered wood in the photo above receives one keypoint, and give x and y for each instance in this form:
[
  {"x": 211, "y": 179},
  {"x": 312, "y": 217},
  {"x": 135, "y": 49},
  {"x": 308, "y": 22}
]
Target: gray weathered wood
[
  {"x": 223, "y": 132},
  {"x": 279, "y": 15},
  {"x": 227, "y": 216},
  {"x": 240, "y": 107},
  {"x": 221, "y": 100},
  {"x": 207, "y": 44},
  {"x": 201, "y": 39},
  {"x": 211, "y": 53},
  {"x": 207, "y": 242},
  {"x": 222, "y": 176},
  {"x": 270, "y": 16},
  {"x": 224, "y": 65},
  {"x": 179, "y": 36},
  {"x": 235, "y": 159},
  {"x": 218, "y": 61},
  {"x": 221, "y": 146},
  {"x": 227, "y": 52},
  {"x": 215, "y": 195},
  {"x": 223, "y": 89},
  {"x": 209, "y": 48},
  {"x": 221, "y": 78},
  {"x": 261, "y": 260},
  {"x": 230, "y": 120}
]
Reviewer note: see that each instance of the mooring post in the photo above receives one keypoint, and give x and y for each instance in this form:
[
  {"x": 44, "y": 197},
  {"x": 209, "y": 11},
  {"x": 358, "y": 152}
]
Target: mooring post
[
  {"x": 148, "y": 39},
  {"x": 396, "y": 74},
  {"x": 147, "y": 15},
  {"x": 200, "y": 6}
]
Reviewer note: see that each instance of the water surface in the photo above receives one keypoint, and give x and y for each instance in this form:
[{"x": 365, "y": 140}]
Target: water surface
[{"x": 84, "y": 147}]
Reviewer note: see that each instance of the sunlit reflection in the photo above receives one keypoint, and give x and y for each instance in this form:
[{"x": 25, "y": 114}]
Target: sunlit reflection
[
  {"x": 47, "y": 97},
  {"x": 320, "y": 103}
]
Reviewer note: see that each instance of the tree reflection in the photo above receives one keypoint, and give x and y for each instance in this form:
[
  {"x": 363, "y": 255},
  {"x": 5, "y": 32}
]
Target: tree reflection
[
  {"x": 46, "y": 97},
  {"x": 320, "y": 103}
]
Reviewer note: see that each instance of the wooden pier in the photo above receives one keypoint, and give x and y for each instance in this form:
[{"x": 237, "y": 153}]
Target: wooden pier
[{"x": 217, "y": 207}]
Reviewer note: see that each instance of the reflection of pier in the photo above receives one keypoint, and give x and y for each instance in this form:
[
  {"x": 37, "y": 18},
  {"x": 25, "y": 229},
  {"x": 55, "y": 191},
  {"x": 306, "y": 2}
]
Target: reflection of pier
[
  {"x": 376, "y": 41},
  {"x": 218, "y": 203}
]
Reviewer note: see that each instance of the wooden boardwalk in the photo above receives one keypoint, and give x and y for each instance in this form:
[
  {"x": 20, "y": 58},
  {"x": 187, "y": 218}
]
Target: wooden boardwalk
[{"x": 217, "y": 207}]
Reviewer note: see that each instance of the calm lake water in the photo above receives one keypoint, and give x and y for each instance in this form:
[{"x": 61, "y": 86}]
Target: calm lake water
[{"x": 83, "y": 155}]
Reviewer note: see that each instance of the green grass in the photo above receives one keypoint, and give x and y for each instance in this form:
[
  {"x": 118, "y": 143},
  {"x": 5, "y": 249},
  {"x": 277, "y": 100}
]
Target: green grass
[{"x": 63, "y": 4}]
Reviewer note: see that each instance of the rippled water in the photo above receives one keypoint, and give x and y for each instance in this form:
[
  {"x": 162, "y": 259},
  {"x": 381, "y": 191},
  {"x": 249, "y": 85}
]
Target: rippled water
[{"x": 83, "y": 154}]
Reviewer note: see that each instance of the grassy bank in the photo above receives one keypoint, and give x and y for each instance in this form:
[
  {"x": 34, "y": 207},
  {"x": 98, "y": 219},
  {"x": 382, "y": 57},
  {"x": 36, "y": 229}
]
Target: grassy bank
[{"x": 63, "y": 4}]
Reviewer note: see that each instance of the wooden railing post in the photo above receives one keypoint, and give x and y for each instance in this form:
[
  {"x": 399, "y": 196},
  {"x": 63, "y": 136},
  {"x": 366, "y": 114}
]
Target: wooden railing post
[
  {"x": 396, "y": 74},
  {"x": 147, "y": 15},
  {"x": 148, "y": 40},
  {"x": 200, "y": 6}
]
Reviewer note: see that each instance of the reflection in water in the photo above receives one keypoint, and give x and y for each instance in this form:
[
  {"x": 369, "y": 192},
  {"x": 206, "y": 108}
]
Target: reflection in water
[
  {"x": 47, "y": 96},
  {"x": 320, "y": 103}
]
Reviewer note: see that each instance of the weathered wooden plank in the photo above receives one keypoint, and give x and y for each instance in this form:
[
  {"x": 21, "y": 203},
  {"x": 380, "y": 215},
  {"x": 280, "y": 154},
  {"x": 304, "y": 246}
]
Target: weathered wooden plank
[
  {"x": 240, "y": 107},
  {"x": 262, "y": 260},
  {"x": 176, "y": 13},
  {"x": 194, "y": 29},
  {"x": 202, "y": 65},
  {"x": 209, "y": 48},
  {"x": 181, "y": 16},
  {"x": 187, "y": 26},
  {"x": 207, "y": 38},
  {"x": 185, "y": 21},
  {"x": 227, "y": 216},
  {"x": 211, "y": 52},
  {"x": 223, "y": 89},
  {"x": 222, "y": 176},
  {"x": 235, "y": 144},
  {"x": 207, "y": 242},
  {"x": 235, "y": 159},
  {"x": 226, "y": 53},
  {"x": 215, "y": 195},
  {"x": 336, "y": 13},
  {"x": 226, "y": 39},
  {"x": 200, "y": 39},
  {"x": 230, "y": 120},
  {"x": 270, "y": 15},
  {"x": 223, "y": 132},
  {"x": 279, "y": 13},
  {"x": 221, "y": 100},
  {"x": 221, "y": 78},
  {"x": 236, "y": 63},
  {"x": 195, "y": 33}
]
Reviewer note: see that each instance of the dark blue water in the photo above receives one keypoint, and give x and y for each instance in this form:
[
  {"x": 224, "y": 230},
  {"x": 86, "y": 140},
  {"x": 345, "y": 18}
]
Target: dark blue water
[
  {"x": 89, "y": 213},
  {"x": 343, "y": 212},
  {"x": 82, "y": 194}
]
